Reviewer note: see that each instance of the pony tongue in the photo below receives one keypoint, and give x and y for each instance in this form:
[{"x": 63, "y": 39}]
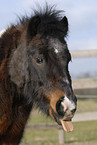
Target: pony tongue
[{"x": 67, "y": 125}]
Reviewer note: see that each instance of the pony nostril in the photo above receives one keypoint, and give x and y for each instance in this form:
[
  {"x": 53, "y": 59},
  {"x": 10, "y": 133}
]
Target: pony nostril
[
  {"x": 65, "y": 107},
  {"x": 60, "y": 108}
]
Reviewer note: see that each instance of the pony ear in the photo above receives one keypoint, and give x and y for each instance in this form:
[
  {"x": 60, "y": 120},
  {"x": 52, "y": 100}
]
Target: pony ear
[
  {"x": 64, "y": 23},
  {"x": 33, "y": 26}
]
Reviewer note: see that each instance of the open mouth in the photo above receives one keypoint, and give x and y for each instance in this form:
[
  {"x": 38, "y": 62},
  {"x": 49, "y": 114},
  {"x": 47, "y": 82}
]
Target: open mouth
[
  {"x": 62, "y": 109},
  {"x": 65, "y": 121}
]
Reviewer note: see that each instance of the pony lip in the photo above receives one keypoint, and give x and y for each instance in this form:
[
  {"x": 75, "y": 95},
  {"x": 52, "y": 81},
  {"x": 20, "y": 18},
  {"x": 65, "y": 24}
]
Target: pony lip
[
  {"x": 65, "y": 122},
  {"x": 67, "y": 125}
]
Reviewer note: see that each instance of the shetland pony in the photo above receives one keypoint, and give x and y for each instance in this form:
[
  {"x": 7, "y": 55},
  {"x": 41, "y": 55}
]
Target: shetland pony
[{"x": 34, "y": 60}]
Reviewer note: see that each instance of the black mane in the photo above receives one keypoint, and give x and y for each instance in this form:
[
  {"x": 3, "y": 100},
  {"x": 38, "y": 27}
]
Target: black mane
[{"x": 48, "y": 22}]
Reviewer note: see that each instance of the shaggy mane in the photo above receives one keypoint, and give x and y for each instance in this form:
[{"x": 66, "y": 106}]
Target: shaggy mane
[
  {"x": 43, "y": 13},
  {"x": 49, "y": 21}
]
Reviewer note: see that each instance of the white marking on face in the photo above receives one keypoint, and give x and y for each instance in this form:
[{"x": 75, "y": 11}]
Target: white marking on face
[
  {"x": 67, "y": 104},
  {"x": 56, "y": 45},
  {"x": 56, "y": 51}
]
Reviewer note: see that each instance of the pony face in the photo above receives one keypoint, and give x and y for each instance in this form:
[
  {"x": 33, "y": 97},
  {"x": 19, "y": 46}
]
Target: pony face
[
  {"x": 48, "y": 77},
  {"x": 39, "y": 65},
  {"x": 34, "y": 60}
]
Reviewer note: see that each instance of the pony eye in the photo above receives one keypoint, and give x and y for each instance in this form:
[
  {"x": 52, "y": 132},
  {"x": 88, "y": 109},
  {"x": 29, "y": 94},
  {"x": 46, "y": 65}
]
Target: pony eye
[{"x": 39, "y": 60}]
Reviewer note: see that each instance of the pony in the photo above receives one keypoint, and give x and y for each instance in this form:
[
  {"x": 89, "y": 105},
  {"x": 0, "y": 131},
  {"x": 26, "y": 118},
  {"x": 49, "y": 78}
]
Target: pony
[{"x": 34, "y": 60}]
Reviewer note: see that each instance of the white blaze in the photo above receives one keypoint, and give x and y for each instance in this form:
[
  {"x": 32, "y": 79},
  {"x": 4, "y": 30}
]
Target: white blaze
[
  {"x": 56, "y": 45},
  {"x": 67, "y": 104},
  {"x": 56, "y": 51}
]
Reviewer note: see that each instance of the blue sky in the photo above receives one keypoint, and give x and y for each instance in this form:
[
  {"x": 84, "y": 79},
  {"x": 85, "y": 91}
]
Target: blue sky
[{"x": 82, "y": 17}]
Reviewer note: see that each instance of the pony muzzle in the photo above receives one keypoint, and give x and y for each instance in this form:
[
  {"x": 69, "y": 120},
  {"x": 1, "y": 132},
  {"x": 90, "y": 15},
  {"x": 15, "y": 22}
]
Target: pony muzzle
[{"x": 62, "y": 109}]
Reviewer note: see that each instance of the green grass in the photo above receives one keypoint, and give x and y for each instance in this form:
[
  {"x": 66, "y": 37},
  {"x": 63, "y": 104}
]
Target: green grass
[
  {"x": 83, "y": 131},
  {"x": 40, "y": 137},
  {"x": 87, "y": 105}
]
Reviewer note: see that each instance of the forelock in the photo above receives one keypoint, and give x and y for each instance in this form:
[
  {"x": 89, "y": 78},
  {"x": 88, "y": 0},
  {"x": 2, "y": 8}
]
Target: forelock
[{"x": 50, "y": 22}]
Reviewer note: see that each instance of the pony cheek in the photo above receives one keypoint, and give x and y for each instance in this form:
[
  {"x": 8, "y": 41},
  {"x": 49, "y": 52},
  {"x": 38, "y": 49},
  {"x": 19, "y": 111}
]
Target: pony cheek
[
  {"x": 54, "y": 115},
  {"x": 54, "y": 97},
  {"x": 51, "y": 113}
]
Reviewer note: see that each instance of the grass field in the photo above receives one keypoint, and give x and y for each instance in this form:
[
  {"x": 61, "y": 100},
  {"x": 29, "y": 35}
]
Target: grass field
[
  {"x": 83, "y": 131},
  {"x": 87, "y": 105}
]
